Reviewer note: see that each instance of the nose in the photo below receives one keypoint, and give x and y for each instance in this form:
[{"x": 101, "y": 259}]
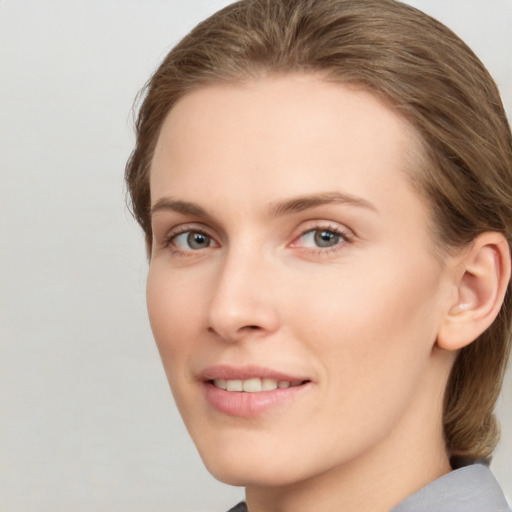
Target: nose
[{"x": 243, "y": 302}]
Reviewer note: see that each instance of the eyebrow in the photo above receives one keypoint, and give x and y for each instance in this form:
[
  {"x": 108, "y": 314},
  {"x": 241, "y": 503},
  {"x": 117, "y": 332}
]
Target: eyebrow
[
  {"x": 277, "y": 209},
  {"x": 184, "y": 207},
  {"x": 302, "y": 203}
]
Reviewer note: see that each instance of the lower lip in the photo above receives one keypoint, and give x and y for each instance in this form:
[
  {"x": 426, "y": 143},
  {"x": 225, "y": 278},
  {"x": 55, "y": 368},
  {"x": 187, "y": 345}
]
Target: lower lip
[{"x": 240, "y": 403}]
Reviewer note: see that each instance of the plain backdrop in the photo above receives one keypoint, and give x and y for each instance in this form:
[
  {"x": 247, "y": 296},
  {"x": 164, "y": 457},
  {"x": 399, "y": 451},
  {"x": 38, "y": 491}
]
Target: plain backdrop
[{"x": 87, "y": 422}]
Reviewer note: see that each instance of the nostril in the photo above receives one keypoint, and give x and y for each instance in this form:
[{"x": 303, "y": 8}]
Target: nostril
[{"x": 245, "y": 328}]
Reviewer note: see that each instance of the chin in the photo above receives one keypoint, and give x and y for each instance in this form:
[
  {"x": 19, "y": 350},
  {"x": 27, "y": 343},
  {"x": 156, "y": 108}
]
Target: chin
[
  {"x": 244, "y": 462},
  {"x": 251, "y": 463},
  {"x": 243, "y": 474}
]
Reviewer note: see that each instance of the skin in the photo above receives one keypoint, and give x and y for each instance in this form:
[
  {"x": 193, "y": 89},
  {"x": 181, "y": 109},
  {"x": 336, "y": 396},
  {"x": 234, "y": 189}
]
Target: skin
[{"x": 359, "y": 318}]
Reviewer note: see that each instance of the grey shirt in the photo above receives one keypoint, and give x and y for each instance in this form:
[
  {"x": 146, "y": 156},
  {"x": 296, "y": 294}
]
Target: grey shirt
[
  {"x": 468, "y": 489},
  {"x": 471, "y": 488}
]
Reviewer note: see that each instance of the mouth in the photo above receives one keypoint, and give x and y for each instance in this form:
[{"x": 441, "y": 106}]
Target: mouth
[
  {"x": 250, "y": 391},
  {"x": 255, "y": 384}
]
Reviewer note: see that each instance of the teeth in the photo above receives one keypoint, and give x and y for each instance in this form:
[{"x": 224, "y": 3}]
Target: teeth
[
  {"x": 220, "y": 383},
  {"x": 254, "y": 385},
  {"x": 268, "y": 384},
  {"x": 251, "y": 385},
  {"x": 234, "y": 385}
]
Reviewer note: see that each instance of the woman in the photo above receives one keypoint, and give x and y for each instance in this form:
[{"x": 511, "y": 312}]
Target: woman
[{"x": 324, "y": 187}]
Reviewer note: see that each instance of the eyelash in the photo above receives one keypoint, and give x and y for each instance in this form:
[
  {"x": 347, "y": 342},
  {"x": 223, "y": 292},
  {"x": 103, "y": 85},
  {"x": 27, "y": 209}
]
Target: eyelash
[{"x": 170, "y": 239}]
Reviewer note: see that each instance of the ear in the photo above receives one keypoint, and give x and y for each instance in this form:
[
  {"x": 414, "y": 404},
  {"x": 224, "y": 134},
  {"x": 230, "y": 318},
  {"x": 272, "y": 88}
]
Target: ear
[{"x": 481, "y": 283}]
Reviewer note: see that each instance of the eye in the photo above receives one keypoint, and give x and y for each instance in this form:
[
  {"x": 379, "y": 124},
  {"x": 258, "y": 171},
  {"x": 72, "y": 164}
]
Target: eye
[
  {"x": 191, "y": 240},
  {"x": 321, "y": 238},
  {"x": 324, "y": 238}
]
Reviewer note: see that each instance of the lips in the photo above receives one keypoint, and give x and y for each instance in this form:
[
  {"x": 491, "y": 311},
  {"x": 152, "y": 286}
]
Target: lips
[{"x": 249, "y": 390}]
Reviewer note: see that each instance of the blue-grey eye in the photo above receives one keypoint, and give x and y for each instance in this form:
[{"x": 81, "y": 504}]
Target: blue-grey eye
[
  {"x": 323, "y": 238},
  {"x": 194, "y": 240},
  {"x": 326, "y": 238}
]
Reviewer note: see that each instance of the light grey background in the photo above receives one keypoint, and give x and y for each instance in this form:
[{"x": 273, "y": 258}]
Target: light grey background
[{"x": 86, "y": 421}]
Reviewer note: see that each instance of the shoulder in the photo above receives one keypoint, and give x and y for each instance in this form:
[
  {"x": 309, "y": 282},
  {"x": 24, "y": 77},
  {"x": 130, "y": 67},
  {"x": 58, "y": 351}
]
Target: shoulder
[
  {"x": 241, "y": 507},
  {"x": 469, "y": 489}
]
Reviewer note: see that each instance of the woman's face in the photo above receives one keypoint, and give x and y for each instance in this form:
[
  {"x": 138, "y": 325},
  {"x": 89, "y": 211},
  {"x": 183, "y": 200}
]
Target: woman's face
[{"x": 292, "y": 264}]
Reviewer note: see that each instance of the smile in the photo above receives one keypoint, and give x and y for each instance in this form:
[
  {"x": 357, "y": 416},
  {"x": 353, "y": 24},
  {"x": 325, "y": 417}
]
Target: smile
[
  {"x": 254, "y": 385},
  {"x": 248, "y": 391}
]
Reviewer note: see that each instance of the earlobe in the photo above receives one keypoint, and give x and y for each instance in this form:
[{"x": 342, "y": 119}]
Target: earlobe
[{"x": 481, "y": 287}]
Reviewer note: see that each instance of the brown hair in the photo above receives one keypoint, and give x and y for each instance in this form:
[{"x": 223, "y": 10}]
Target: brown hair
[{"x": 431, "y": 78}]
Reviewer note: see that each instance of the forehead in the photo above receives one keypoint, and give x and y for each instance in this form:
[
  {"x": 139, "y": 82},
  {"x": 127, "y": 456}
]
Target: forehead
[{"x": 287, "y": 135}]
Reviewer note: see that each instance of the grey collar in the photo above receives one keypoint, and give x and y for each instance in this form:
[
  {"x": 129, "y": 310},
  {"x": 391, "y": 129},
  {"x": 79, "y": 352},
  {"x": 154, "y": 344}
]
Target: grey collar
[{"x": 469, "y": 489}]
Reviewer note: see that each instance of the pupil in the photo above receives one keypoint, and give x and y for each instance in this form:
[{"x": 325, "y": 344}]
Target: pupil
[
  {"x": 198, "y": 240},
  {"x": 326, "y": 238}
]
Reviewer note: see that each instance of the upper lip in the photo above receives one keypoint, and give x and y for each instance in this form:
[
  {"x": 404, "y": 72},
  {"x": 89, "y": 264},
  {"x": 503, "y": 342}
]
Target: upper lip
[{"x": 228, "y": 372}]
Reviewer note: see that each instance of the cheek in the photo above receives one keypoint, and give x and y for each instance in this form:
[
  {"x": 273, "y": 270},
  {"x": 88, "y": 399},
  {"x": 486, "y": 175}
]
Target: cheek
[
  {"x": 371, "y": 340},
  {"x": 368, "y": 325},
  {"x": 173, "y": 310}
]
